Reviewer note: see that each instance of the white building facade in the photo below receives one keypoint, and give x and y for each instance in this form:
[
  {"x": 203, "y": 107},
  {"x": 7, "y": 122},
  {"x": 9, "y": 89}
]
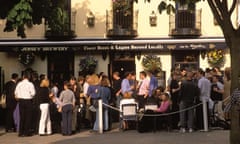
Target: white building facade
[{"x": 118, "y": 39}]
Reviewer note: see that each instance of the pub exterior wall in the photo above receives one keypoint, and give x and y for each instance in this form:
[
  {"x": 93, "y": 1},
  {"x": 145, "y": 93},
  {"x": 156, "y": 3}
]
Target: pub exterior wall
[
  {"x": 99, "y": 8},
  {"x": 10, "y": 63}
]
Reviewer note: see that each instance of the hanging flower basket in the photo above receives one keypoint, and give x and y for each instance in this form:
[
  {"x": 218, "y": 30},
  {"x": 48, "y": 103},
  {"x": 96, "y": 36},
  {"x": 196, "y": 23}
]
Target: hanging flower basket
[
  {"x": 87, "y": 65},
  {"x": 26, "y": 58},
  {"x": 152, "y": 63},
  {"x": 216, "y": 57}
]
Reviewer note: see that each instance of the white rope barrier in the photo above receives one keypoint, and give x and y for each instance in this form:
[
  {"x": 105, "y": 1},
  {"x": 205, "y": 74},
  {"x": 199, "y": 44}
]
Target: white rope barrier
[
  {"x": 172, "y": 113},
  {"x": 163, "y": 114},
  {"x": 111, "y": 107},
  {"x": 157, "y": 115}
]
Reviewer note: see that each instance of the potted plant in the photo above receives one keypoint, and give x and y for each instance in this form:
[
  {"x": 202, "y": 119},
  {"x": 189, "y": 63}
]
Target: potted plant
[
  {"x": 215, "y": 57},
  {"x": 152, "y": 63},
  {"x": 87, "y": 65}
]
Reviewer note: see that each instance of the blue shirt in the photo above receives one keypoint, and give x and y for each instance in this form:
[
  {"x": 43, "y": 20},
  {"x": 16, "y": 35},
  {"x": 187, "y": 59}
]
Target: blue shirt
[
  {"x": 93, "y": 91},
  {"x": 105, "y": 95},
  {"x": 153, "y": 85},
  {"x": 204, "y": 86},
  {"x": 125, "y": 86}
]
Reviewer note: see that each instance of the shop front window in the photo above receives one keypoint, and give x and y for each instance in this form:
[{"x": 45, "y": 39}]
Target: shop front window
[{"x": 188, "y": 60}]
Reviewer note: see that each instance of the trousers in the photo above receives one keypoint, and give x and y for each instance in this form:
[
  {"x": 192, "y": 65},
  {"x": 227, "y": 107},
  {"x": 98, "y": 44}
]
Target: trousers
[
  {"x": 67, "y": 111},
  {"x": 45, "y": 121},
  {"x": 105, "y": 120},
  {"x": 186, "y": 117},
  {"x": 25, "y": 109}
]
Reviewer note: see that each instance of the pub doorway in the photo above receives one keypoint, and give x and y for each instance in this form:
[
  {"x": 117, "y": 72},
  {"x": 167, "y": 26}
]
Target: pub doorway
[
  {"x": 123, "y": 62},
  {"x": 60, "y": 66}
]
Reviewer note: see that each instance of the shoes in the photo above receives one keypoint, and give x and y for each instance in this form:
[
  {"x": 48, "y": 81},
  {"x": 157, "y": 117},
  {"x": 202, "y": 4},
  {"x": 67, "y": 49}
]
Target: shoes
[
  {"x": 21, "y": 135},
  {"x": 106, "y": 130},
  {"x": 10, "y": 130},
  {"x": 45, "y": 134},
  {"x": 182, "y": 130},
  {"x": 29, "y": 135},
  {"x": 190, "y": 130},
  {"x": 66, "y": 134},
  {"x": 93, "y": 131},
  {"x": 48, "y": 134}
]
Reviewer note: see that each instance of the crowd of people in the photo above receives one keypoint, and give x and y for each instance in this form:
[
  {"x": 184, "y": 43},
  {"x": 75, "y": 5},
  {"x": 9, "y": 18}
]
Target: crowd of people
[
  {"x": 35, "y": 105},
  {"x": 189, "y": 88}
]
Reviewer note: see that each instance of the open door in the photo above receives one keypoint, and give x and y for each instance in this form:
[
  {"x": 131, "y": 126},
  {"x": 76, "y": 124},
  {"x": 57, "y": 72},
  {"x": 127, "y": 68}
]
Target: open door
[
  {"x": 60, "y": 66},
  {"x": 123, "y": 63}
]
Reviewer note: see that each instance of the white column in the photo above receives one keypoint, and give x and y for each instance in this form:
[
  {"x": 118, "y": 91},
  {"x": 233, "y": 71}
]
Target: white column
[
  {"x": 205, "y": 115},
  {"x": 100, "y": 112}
]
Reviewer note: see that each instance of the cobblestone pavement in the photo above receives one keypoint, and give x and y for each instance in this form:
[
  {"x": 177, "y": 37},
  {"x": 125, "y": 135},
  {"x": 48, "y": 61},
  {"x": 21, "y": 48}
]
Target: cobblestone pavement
[{"x": 118, "y": 137}]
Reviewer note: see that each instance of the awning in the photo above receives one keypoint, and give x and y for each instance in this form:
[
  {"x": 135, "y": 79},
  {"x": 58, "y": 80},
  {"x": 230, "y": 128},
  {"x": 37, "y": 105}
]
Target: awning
[{"x": 140, "y": 44}]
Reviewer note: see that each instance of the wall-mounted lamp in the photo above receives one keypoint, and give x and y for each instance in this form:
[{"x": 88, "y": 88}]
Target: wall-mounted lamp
[
  {"x": 153, "y": 19},
  {"x": 104, "y": 55},
  {"x": 90, "y": 19},
  {"x": 139, "y": 55},
  {"x": 203, "y": 54}
]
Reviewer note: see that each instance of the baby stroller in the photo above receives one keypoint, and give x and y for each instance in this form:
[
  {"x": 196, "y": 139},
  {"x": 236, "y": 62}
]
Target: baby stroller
[
  {"x": 128, "y": 114},
  {"x": 216, "y": 120}
]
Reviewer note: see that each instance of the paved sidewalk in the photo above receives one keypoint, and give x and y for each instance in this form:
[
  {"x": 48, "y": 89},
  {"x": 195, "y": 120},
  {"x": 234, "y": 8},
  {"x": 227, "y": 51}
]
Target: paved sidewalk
[{"x": 118, "y": 137}]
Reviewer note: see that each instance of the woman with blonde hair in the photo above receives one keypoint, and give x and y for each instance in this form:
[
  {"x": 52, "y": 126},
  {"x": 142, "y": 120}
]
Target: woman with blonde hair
[
  {"x": 94, "y": 93},
  {"x": 44, "y": 100}
]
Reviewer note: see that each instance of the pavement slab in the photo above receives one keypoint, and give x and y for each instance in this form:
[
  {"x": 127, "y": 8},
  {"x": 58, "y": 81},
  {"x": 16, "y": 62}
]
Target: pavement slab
[{"x": 122, "y": 137}]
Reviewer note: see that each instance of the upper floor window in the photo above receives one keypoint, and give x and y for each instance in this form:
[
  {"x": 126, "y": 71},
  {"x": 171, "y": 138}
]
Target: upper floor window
[
  {"x": 59, "y": 22},
  {"x": 121, "y": 20},
  {"x": 186, "y": 22}
]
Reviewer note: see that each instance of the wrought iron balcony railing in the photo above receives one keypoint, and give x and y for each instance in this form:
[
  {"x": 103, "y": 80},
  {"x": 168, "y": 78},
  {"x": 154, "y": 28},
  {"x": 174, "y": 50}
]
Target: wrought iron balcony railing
[
  {"x": 120, "y": 25},
  {"x": 185, "y": 23}
]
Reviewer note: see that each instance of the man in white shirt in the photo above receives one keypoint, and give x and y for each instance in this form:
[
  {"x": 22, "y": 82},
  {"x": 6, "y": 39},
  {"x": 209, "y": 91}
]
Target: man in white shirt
[
  {"x": 204, "y": 86},
  {"x": 143, "y": 89},
  {"x": 24, "y": 92}
]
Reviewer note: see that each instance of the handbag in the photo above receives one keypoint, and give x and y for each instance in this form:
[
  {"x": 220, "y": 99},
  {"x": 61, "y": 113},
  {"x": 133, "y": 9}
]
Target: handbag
[
  {"x": 3, "y": 101},
  {"x": 127, "y": 95}
]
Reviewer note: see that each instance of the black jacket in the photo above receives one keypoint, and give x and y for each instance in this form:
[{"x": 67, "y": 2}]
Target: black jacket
[
  {"x": 188, "y": 92},
  {"x": 10, "y": 96},
  {"x": 44, "y": 95}
]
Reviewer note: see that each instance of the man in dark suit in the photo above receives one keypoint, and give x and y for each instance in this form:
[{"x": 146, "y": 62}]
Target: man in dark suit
[
  {"x": 11, "y": 102},
  {"x": 188, "y": 92}
]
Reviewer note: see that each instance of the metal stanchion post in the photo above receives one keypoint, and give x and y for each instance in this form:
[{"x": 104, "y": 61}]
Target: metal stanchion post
[
  {"x": 205, "y": 115},
  {"x": 100, "y": 116}
]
